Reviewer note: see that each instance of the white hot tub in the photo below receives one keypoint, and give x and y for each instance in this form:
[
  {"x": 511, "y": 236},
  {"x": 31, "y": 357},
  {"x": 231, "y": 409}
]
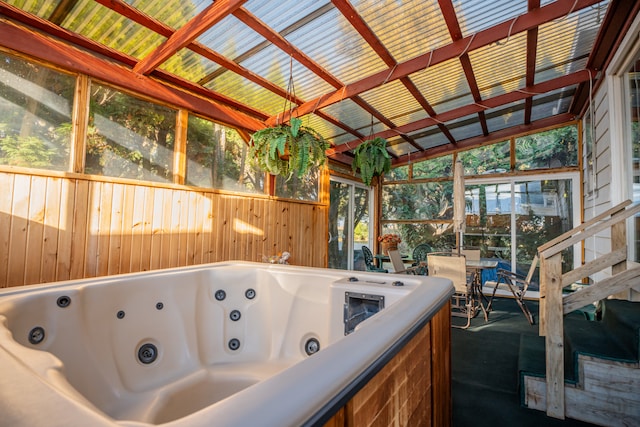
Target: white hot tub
[{"x": 223, "y": 344}]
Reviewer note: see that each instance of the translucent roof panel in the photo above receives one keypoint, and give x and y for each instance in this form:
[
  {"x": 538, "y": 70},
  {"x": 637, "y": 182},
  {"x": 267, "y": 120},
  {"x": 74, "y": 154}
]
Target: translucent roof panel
[
  {"x": 500, "y": 67},
  {"x": 393, "y": 100},
  {"x": 505, "y": 116},
  {"x": 444, "y": 85},
  {"x": 400, "y": 148},
  {"x": 350, "y": 113},
  {"x": 478, "y": 15},
  {"x": 552, "y": 103},
  {"x": 232, "y": 39},
  {"x": 406, "y": 31},
  {"x": 111, "y": 29},
  {"x": 465, "y": 127},
  {"x": 188, "y": 65},
  {"x": 432, "y": 140},
  {"x": 328, "y": 130},
  {"x": 564, "y": 44},
  {"x": 168, "y": 13},
  {"x": 247, "y": 92},
  {"x": 340, "y": 50},
  {"x": 275, "y": 66}
]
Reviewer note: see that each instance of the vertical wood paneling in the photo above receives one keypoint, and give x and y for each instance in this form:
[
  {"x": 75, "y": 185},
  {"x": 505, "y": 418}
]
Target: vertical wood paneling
[
  {"x": 6, "y": 204},
  {"x": 18, "y": 231},
  {"x": 52, "y": 230},
  {"x": 81, "y": 231},
  {"x": 128, "y": 228},
  {"x": 116, "y": 229},
  {"x": 75, "y": 228},
  {"x": 104, "y": 225},
  {"x": 147, "y": 195},
  {"x": 35, "y": 229},
  {"x": 65, "y": 234}
]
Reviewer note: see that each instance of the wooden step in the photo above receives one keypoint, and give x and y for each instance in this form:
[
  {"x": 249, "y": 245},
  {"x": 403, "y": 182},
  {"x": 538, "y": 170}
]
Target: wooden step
[{"x": 607, "y": 392}]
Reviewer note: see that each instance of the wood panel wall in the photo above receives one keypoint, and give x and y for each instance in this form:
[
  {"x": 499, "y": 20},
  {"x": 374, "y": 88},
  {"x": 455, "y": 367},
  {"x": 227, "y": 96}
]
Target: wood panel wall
[
  {"x": 69, "y": 227},
  {"x": 413, "y": 389}
]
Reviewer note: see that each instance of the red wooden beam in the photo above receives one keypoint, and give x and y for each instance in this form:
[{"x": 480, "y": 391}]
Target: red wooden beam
[
  {"x": 189, "y": 32},
  {"x": 58, "y": 53},
  {"x": 497, "y": 101},
  {"x": 529, "y": 20},
  {"x": 532, "y": 49}
]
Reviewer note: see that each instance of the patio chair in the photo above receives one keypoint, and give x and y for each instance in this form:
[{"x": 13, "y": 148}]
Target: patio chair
[
  {"x": 420, "y": 258},
  {"x": 368, "y": 261},
  {"x": 517, "y": 284},
  {"x": 453, "y": 267},
  {"x": 399, "y": 266}
]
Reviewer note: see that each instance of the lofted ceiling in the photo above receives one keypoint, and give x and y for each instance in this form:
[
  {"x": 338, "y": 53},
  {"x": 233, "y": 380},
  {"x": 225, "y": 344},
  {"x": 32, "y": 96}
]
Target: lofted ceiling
[{"x": 430, "y": 76}]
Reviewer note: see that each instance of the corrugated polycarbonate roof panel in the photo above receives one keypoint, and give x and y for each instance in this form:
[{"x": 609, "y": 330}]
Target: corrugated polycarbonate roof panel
[
  {"x": 109, "y": 28},
  {"x": 247, "y": 92},
  {"x": 552, "y": 103},
  {"x": 443, "y": 85},
  {"x": 565, "y": 44},
  {"x": 350, "y": 113},
  {"x": 465, "y": 127},
  {"x": 393, "y": 100},
  {"x": 500, "y": 67},
  {"x": 337, "y": 47},
  {"x": 401, "y": 148},
  {"x": 432, "y": 140},
  {"x": 505, "y": 116},
  {"x": 188, "y": 65},
  {"x": 171, "y": 16},
  {"x": 406, "y": 31},
  {"x": 232, "y": 38},
  {"x": 478, "y": 15},
  {"x": 273, "y": 64},
  {"x": 326, "y": 129},
  {"x": 42, "y": 9}
]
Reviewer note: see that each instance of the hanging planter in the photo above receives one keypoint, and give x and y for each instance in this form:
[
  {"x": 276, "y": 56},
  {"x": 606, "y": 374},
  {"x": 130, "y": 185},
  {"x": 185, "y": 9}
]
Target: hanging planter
[
  {"x": 287, "y": 149},
  {"x": 372, "y": 159}
]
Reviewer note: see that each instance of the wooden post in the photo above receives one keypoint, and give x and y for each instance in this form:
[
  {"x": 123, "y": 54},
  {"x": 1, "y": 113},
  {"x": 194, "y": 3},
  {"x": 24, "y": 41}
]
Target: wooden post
[
  {"x": 618, "y": 241},
  {"x": 551, "y": 279}
]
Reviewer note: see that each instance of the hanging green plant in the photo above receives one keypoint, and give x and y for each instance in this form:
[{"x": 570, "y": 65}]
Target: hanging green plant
[
  {"x": 287, "y": 149},
  {"x": 372, "y": 159}
]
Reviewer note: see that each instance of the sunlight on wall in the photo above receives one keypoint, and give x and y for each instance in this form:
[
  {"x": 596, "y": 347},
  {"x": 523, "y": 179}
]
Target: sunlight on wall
[{"x": 242, "y": 227}]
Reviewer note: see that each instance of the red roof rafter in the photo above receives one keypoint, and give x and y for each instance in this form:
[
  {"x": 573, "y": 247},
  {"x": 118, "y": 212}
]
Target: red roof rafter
[
  {"x": 532, "y": 48},
  {"x": 189, "y": 32},
  {"x": 455, "y": 49}
]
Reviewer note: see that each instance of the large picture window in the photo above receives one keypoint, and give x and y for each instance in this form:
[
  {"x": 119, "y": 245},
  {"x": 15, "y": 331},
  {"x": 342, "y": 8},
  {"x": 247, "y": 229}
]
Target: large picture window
[
  {"x": 217, "y": 158},
  {"x": 129, "y": 137},
  {"x": 35, "y": 115}
]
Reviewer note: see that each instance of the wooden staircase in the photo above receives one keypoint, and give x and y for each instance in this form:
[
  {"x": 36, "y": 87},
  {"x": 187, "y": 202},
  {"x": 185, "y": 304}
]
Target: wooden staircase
[{"x": 600, "y": 387}]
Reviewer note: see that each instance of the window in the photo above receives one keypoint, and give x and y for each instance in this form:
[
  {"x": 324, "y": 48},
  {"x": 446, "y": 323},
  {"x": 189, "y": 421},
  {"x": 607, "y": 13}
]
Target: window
[
  {"x": 305, "y": 188},
  {"x": 129, "y": 137},
  {"x": 494, "y": 158},
  {"x": 217, "y": 158},
  {"x": 35, "y": 115},
  {"x": 551, "y": 149}
]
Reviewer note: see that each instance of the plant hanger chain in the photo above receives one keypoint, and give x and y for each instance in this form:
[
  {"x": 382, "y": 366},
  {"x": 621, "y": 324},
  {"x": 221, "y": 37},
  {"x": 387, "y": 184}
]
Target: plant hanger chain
[{"x": 291, "y": 91}]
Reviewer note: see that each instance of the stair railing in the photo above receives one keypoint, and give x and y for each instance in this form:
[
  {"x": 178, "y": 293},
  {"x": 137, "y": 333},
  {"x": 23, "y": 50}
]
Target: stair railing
[{"x": 553, "y": 306}]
